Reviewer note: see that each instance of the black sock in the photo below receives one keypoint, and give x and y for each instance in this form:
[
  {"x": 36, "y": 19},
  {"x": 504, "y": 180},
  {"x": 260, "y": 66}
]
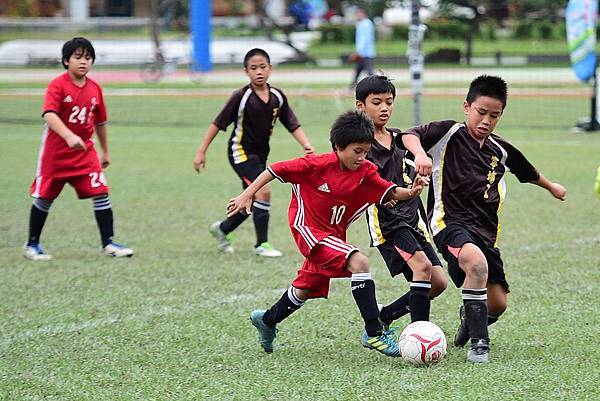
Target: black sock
[
  {"x": 492, "y": 319},
  {"x": 260, "y": 215},
  {"x": 476, "y": 314},
  {"x": 419, "y": 301},
  {"x": 363, "y": 291},
  {"x": 37, "y": 219},
  {"x": 231, "y": 223},
  {"x": 287, "y": 304},
  {"x": 396, "y": 309},
  {"x": 104, "y": 218}
]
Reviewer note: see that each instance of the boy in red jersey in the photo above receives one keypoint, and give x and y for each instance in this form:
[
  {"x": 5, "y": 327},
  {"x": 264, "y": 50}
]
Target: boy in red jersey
[
  {"x": 399, "y": 232},
  {"x": 253, "y": 110},
  {"x": 329, "y": 192},
  {"x": 73, "y": 110}
]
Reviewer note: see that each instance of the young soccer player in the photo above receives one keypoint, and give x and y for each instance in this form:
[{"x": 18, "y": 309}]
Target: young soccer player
[
  {"x": 398, "y": 232},
  {"x": 329, "y": 192},
  {"x": 73, "y": 110},
  {"x": 253, "y": 110},
  {"x": 467, "y": 194}
]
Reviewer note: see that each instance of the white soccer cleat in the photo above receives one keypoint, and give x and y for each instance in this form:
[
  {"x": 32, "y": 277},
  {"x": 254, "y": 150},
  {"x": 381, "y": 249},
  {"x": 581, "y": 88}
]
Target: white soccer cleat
[
  {"x": 224, "y": 239},
  {"x": 117, "y": 250},
  {"x": 35, "y": 252},
  {"x": 266, "y": 250}
]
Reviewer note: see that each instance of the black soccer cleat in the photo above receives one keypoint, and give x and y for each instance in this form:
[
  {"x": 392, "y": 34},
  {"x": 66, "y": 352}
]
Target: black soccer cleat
[{"x": 462, "y": 334}]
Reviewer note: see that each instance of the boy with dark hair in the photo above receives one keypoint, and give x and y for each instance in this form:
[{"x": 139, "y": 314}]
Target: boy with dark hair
[
  {"x": 399, "y": 231},
  {"x": 253, "y": 110},
  {"x": 329, "y": 192},
  {"x": 73, "y": 110},
  {"x": 467, "y": 194}
]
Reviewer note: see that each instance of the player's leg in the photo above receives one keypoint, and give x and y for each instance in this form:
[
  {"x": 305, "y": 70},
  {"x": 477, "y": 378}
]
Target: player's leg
[
  {"x": 363, "y": 291},
  {"x": 261, "y": 215},
  {"x": 44, "y": 190},
  {"x": 94, "y": 185},
  {"x": 497, "y": 301}
]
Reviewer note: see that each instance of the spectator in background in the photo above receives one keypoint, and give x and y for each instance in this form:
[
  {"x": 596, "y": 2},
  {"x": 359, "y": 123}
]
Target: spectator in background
[{"x": 365, "y": 45}]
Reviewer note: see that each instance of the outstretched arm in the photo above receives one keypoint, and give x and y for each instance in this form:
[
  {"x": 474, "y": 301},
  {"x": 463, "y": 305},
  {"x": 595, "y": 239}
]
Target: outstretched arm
[
  {"x": 200, "y": 159},
  {"x": 422, "y": 162},
  {"x": 557, "y": 190},
  {"x": 302, "y": 139},
  {"x": 401, "y": 194},
  {"x": 243, "y": 202}
]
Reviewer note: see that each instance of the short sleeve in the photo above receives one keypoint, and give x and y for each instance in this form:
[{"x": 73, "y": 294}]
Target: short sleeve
[
  {"x": 294, "y": 171},
  {"x": 429, "y": 134},
  {"x": 518, "y": 163},
  {"x": 374, "y": 188},
  {"x": 229, "y": 112},
  {"x": 287, "y": 116},
  {"x": 101, "y": 113},
  {"x": 52, "y": 100}
]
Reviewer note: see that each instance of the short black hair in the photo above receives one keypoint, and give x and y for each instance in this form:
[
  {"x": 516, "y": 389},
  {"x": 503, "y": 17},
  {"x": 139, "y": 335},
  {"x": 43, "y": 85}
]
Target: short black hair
[
  {"x": 75, "y": 44},
  {"x": 374, "y": 85},
  {"x": 488, "y": 85},
  {"x": 256, "y": 52},
  {"x": 351, "y": 127}
]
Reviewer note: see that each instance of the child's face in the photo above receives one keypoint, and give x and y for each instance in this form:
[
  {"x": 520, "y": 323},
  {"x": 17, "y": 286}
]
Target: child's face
[
  {"x": 258, "y": 70},
  {"x": 482, "y": 116},
  {"x": 378, "y": 106},
  {"x": 353, "y": 155},
  {"x": 79, "y": 64}
]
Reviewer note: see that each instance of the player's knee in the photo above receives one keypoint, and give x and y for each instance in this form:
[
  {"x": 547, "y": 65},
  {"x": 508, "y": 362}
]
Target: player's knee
[
  {"x": 496, "y": 307},
  {"x": 422, "y": 271},
  {"x": 358, "y": 263},
  {"x": 474, "y": 266}
]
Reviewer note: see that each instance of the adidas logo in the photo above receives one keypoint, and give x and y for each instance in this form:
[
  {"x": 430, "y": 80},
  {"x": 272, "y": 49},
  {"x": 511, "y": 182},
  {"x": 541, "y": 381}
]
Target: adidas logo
[
  {"x": 68, "y": 99},
  {"x": 323, "y": 188}
]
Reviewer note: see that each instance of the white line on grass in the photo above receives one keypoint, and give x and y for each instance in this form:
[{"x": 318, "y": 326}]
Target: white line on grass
[{"x": 65, "y": 328}]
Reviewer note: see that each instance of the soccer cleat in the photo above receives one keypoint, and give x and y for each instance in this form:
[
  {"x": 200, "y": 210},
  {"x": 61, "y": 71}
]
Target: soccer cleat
[
  {"x": 480, "y": 351},
  {"x": 266, "y": 334},
  {"x": 224, "y": 239},
  {"x": 462, "y": 334},
  {"x": 116, "y": 250},
  {"x": 35, "y": 252},
  {"x": 266, "y": 249},
  {"x": 383, "y": 343}
]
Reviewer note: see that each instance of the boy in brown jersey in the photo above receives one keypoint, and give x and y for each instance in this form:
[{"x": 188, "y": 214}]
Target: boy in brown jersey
[
  {"x": 399, "y": 231},
  {"x": 253, "y": 110},
  {"x": 467, "y": 192}
]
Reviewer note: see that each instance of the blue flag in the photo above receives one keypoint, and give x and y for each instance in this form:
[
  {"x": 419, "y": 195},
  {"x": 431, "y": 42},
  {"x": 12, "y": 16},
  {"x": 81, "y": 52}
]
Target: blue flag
[{"x": 581, "y": 17}]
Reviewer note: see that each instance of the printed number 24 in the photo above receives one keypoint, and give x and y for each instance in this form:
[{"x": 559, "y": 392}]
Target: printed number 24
[
  {"x": 97, "y": 179},
  {"x": 78, "y": 115},
  {"x": 337, "y": 212}
]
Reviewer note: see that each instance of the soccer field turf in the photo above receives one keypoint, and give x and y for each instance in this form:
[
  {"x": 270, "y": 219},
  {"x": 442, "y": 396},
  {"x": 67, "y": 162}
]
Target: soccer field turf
[{"x": 172, "y": 322}]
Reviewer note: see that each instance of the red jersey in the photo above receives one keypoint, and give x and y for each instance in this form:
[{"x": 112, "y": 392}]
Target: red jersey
[
  {"x": 325, "y": 198},
  {"x": 80, "y": 109}
]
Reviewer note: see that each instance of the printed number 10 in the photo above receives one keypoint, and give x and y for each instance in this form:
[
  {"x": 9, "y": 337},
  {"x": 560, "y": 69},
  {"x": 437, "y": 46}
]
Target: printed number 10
[{"x": 337, "y": 212}]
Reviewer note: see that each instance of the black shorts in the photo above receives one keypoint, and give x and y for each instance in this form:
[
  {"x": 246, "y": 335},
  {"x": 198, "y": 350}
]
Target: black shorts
[
  {"x": 249, "y": 170},
  {"x": 409, "y": 241},
  {"x": 455, "y": 236}
]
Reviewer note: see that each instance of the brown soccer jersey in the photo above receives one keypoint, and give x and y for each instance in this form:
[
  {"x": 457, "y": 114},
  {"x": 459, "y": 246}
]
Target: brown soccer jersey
[
  {"x": 467, "y": 186},
  {"x": 253, "y": 122}
]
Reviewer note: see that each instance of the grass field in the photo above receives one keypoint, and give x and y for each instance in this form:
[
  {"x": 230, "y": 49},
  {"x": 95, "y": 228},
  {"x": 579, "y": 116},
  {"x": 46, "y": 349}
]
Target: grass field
[{"x": 172, "y": 322}]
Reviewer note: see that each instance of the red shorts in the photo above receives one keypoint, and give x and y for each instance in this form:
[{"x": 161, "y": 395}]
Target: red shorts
[
  {"x": 327, "y": 260},
  {"x": 86, "y": 186}
]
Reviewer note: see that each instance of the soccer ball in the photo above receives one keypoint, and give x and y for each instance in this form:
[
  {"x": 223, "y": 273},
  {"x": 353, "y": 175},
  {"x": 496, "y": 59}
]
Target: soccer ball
[{"x": 422, "y": 343}]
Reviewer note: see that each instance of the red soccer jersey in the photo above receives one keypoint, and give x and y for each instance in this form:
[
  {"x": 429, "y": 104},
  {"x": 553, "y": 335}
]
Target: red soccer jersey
[
  {"x": 80, "y": 108},
  {"x": 325, "y": 198}
]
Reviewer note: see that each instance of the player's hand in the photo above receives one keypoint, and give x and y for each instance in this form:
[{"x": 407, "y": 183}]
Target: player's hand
[
  {"x": 308, "y": 149},
  {"x": 105, "y": 160},
  {"x": 239, "y": 204},
  {"x": 420, "y": 183},
  {"x": 391, "y": 203},
  {"x": 199, "y": 161},
  {"x": 558, "y": 191},
  {"x": 75, "y": 142},
  {"x": 423, "y": 164}
]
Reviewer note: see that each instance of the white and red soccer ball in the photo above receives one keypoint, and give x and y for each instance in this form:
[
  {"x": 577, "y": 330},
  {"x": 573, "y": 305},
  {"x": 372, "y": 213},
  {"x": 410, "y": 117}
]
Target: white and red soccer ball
[{"x": 422, "y": 343}]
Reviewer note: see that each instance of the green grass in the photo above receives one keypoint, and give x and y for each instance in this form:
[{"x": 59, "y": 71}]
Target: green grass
[{"x": 172, "y": 322}]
